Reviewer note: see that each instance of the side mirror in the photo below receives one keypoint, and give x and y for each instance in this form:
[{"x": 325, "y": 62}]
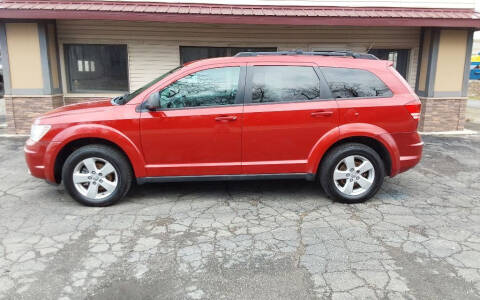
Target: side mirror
[
  {"x": 153, "y": 102},
  {"x": 150, "y": 107}
]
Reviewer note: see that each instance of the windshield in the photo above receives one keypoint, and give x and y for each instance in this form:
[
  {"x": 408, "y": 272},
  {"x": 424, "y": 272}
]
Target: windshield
[{"x": 127, "y": 97}]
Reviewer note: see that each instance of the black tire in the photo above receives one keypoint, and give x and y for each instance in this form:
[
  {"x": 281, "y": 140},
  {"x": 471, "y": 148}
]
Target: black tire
[
  {"x": 334, "y": 158},
  {"x": 109, "y": 154}
]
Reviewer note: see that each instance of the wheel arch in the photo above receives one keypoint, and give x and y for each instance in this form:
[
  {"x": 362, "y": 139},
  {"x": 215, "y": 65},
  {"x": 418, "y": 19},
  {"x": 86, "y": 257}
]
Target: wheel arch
[
  {"x": 67, "y": 141},
  {"x": 373, "y": 143},
  {"x": 378, "y": 139}
]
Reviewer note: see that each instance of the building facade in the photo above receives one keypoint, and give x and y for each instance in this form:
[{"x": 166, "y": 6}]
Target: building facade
[{"x": 63, "y": 52}]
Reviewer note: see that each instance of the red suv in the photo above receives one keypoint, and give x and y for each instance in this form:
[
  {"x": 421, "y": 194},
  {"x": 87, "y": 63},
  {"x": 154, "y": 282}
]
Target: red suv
[{"x": 343, "y": 119}]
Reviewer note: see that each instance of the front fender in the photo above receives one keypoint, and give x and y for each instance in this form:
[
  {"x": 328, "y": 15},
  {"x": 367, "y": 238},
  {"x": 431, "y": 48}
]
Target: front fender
[
  {"x": 99, "y": 131},
  {"x": 354, "y": 130}
]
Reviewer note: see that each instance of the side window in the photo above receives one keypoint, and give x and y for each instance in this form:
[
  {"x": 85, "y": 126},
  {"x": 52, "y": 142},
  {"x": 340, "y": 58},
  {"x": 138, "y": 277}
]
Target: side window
[
  {"x": 354, "y": 83},
  {"x": 284, "y": 84},
  {"x": 210, "y": 87}
]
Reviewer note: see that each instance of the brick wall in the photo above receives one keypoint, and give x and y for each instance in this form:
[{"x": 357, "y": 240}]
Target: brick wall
[
  {"x": 9, "y": 115},
  {"x": 21, "y": 111},
  {"x": 442, "y": 114},
  {"x": 74, "y": 100}
]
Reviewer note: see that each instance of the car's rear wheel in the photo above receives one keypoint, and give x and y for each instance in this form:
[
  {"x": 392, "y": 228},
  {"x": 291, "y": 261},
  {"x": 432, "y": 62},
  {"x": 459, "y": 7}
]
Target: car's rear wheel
[
  {"x": 97, "y": 175},
  {"x": 352, "y": 173}
]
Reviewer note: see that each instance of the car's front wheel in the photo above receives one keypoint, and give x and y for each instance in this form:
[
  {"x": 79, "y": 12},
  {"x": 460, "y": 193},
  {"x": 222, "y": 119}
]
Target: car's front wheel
[
  {"x": 352, "y": 173},
  {"x": 97, "y": 175}
]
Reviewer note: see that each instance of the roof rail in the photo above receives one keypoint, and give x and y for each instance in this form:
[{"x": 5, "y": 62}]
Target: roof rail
[{"x": 319, "y": 53}]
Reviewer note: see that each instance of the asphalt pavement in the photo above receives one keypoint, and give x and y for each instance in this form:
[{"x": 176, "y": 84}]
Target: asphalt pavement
[{"x": 418, "y": 238}]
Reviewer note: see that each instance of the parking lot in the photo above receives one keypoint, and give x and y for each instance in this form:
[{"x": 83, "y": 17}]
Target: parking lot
[{"x": 418, "y": 238}]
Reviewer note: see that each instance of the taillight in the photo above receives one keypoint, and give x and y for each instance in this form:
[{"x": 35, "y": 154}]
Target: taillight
[{"x": 414, "y": 107}]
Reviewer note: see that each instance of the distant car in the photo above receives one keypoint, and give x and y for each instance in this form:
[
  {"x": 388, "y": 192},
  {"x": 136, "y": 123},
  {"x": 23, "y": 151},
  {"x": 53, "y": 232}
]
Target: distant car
[
  {"x": 475, "y": 67},
  {"x": 343, "y": 119}
]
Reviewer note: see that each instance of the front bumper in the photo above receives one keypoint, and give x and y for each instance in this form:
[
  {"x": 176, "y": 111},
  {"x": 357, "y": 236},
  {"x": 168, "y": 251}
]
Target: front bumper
[{"x": 34, "y": 158}]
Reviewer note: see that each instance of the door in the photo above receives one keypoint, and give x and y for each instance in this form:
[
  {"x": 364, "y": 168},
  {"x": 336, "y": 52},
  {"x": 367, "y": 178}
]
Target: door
[
  {"x": 364, "y": 98},
  {"x": 196, "y": 126},
  {"x": 287, "y": 110}
]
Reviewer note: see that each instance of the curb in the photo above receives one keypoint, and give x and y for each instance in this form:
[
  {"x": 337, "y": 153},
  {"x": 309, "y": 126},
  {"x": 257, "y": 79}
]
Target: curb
[
  {"x": 14, "y": 135},
  {"x": 459, "y": 132}
]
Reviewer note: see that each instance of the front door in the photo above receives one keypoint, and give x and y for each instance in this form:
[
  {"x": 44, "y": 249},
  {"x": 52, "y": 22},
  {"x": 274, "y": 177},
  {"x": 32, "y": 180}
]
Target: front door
[
  {"x": 287, "y": 110},
  {"x": 196, "y": 128}
]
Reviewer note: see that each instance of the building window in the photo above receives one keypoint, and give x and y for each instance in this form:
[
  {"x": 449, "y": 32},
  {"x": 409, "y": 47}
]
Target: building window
[
  {"x": 190, "y": 53},
  {"x": 354, "y": 83},
  {"x": 96, "y": 68},
  {"x": 399, "y": 58}
]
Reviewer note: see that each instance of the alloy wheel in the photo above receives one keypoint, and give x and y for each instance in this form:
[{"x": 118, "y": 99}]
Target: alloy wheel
[
  {"x": 354, "y": 175},
  {"x": 95, "y": 178}
]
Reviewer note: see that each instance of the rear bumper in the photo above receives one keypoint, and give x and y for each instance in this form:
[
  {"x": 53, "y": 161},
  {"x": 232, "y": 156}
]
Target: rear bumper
[{"x": 410, "y": 147}]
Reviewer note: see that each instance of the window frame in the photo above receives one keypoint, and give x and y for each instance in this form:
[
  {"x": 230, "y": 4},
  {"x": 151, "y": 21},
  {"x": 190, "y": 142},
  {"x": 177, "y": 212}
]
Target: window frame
[
  {"x": 239, "y": 97},
  {"x": 355, "y": 98},
  {"x": 408, "y": 52},
  {"x": 325, "y": 93},
  {"x": 228, "y": 50},
  {"x": 68, "y": 77}
]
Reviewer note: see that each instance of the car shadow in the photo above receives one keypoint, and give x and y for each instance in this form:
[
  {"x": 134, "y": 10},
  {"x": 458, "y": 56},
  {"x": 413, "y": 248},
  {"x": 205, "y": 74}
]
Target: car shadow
[{"x": 230, "y": 190}]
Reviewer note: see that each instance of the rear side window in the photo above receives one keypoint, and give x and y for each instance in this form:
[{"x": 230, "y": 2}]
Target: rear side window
[
  {"x": 284, "y": 84},
  {"x": 354, "y": 83}
]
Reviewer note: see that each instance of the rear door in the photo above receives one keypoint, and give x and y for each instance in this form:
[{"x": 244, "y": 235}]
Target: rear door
[
  {"x": 287, "y": 110},
  {"x": 364, "y": 98}
]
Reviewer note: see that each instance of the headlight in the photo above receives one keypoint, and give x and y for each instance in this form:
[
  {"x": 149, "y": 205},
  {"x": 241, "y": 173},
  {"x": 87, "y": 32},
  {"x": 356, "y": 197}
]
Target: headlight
[{"x": 38, "y": 131}]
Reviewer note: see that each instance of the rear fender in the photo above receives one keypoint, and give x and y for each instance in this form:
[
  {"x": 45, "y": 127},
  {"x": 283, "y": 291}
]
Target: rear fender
[{"x": 354, "y": 130}]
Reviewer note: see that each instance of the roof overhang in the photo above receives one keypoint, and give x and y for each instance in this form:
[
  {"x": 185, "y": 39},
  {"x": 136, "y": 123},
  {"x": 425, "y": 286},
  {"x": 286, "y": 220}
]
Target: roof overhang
[{"x": 238, "y": 14}]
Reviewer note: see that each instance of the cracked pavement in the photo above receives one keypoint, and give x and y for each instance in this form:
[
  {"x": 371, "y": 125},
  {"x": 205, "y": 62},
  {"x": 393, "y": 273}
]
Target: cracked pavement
[{"x": 418, "y": 238}]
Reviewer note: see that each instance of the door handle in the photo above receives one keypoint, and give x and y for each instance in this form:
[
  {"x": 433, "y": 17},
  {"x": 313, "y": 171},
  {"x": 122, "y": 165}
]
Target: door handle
[
  {"x": 225, "y": 118},
  {"x": 321, "y": 113}
]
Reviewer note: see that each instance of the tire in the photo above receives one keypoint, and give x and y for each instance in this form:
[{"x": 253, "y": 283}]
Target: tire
[
  {"x": 335, "y": 164},
  {"x": 86, "y": 164}
]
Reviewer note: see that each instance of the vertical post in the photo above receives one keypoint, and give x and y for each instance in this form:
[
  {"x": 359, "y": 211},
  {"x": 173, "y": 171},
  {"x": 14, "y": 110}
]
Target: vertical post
[
  {"x": 31, "y": 85},
  {"x": 443, "y": 78}
]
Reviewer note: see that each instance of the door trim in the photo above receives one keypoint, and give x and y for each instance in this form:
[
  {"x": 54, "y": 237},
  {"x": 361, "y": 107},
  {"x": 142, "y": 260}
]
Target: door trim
[{"x": 306, "y": 176}]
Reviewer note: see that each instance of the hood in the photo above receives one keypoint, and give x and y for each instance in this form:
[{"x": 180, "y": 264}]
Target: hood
[{"x": 80, "y": 108}]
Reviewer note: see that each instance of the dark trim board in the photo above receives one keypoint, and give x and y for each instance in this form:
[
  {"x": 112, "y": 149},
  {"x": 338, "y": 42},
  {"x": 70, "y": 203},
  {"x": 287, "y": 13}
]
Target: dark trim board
[
  {"x": 46, "y": 73},
  {"x": 468, "y": 56},
  {"x": 27, "y": 92},
  {"x": 420, "y": 58},
  {"x": 452, "y": 94},
  {"x": 4, "y": 60},
  {"x": 432, "y": 62},
  {"x": 306, "y": 176}
]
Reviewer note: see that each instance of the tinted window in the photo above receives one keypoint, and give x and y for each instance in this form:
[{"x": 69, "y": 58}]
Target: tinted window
[
  {"x": 93, "y": 68},
  {"x": 353, "y": 83},
  {"x": 204, "y": 88},
  {"x": 284, "y": 83}
]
